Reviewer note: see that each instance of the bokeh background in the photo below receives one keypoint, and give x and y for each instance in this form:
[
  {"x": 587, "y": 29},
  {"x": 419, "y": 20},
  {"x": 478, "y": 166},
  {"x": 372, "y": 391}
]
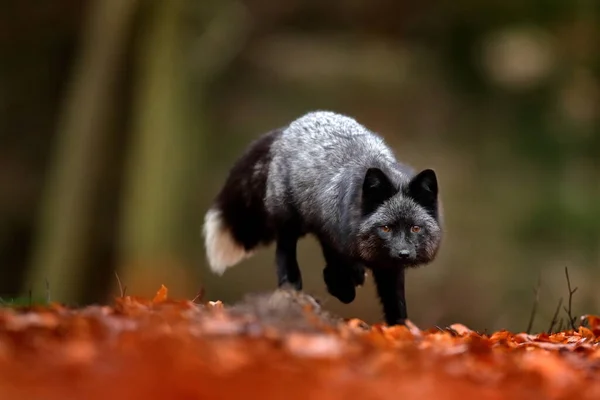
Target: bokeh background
[{"x": 119, "y": 120}]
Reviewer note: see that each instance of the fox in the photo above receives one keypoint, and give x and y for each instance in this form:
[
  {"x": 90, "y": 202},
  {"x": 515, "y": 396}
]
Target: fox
[{"x": 324, "y": 174}]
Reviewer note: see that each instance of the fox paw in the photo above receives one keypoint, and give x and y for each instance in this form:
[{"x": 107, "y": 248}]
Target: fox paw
[{"x": 340, "y": 283}]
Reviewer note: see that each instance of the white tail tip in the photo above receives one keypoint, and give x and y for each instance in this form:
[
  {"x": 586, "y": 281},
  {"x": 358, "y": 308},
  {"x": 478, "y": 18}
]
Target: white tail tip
[{"x": 222, "y": 251}]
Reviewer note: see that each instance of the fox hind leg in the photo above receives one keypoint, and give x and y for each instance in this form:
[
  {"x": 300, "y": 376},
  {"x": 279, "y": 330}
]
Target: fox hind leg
[{"x": 288, "y": 271}]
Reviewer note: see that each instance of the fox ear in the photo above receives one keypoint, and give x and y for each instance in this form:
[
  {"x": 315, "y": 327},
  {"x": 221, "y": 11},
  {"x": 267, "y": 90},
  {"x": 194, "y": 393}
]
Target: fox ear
[
  {"x": 377, "y": 188},
  {"x": 423, "y": 188}
]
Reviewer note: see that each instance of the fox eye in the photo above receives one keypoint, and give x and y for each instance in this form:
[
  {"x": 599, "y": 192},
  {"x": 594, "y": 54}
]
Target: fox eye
[
  {"x": 385, "y": 228},
  {"x": 415, "y": 229}
]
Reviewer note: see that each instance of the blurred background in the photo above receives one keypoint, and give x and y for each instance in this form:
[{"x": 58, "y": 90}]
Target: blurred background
[{"x": 119, "y": 120}]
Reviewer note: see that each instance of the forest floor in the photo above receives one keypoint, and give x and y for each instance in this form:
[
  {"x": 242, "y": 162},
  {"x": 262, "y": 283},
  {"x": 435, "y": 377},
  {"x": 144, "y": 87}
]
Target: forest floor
[{"x": 278, "y": 345}]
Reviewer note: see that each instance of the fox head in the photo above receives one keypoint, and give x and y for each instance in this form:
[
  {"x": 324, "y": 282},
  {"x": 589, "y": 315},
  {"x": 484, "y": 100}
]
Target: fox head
[{"x": 399, "y": 226}]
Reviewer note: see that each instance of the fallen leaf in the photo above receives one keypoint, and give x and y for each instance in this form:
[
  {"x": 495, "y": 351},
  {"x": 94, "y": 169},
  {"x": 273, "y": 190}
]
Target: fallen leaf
[{"x": 161, "y": 295}]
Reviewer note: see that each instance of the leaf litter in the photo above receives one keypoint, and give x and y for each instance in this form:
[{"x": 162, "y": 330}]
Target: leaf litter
[{"x": 278, "y": 345}]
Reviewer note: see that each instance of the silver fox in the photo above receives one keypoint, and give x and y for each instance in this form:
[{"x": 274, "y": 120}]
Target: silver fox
[{"x": 327, "y": 175}]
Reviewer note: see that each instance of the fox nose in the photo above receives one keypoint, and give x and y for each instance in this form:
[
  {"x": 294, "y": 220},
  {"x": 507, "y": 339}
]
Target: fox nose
[{"x": 404, "y": 254}]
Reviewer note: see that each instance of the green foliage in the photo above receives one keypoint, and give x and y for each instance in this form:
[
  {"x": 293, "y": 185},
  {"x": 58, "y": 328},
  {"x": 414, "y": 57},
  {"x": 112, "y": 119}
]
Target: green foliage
[{"x": 23, "y": 301}]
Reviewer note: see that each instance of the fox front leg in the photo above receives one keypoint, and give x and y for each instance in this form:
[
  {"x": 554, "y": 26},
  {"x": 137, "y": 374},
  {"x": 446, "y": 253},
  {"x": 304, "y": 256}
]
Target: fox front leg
[
  {"x": 341, "y": 275},
  {"x": 390, "y": 288},
  {"x": 288, "y": 271}
]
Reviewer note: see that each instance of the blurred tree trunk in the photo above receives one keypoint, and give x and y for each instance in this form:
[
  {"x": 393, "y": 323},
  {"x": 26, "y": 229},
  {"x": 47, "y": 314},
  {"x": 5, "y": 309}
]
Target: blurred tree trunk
[
  {"x": 67, "y": 207},
  {"x": 164, "y": 165},
  {"x": 160, "y": 149}
]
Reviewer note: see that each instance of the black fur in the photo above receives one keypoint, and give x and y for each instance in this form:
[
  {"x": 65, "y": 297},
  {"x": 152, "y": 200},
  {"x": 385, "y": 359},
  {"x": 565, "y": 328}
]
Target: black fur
[
  {"x": 376, "y": 189},
  {"x": 288, "y": 271},
  {"x": 391, "y": 290},
  {"x": 242, "y": 197},
  {"x": 341, "y": 274},
  {"x": 423, "y": 188}
]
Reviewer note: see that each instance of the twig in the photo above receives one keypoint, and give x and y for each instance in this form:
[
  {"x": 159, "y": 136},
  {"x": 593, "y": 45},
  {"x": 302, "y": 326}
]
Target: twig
[
  {"x": 555, "y": 317},
  {"x": 47, "y": 291},
  {"x": 571, "y": 293},
  {"x": 561, "y": 325},
  {"x": 121, "y": 290},
  {"x": 535, "y": 304},
  {"x": 452, "y": 332},
  {"x": 200, "y": 295}
]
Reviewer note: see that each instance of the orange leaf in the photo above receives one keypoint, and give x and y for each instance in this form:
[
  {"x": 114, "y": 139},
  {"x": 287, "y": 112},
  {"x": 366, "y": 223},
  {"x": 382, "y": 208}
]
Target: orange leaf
[
  {"x": 500, "y": 336},
  {"x": 161, "y": 295},
  {"x": 586, "y": 333},
  {"x": 593, "y": 321},
  {"x": 399, "y": 332}
]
